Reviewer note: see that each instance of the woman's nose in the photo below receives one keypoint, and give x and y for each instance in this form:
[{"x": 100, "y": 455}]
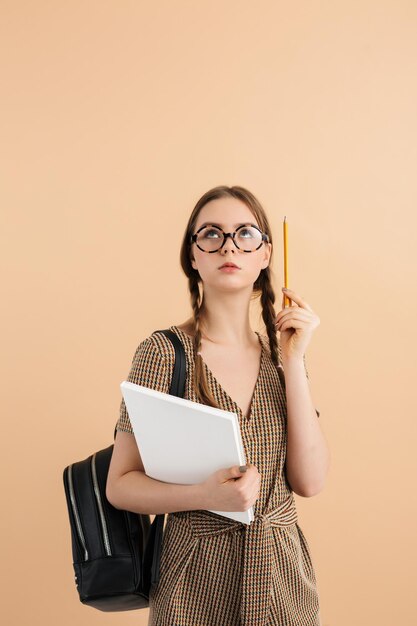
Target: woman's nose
[{"x": 228, "y": 244}]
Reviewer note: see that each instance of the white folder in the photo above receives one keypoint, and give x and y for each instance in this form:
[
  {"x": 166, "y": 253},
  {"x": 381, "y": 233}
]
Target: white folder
[{"x": 181, "y": 441}]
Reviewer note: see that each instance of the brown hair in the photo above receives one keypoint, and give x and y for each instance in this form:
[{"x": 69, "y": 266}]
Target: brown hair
[{"x": 262, "y": 286}]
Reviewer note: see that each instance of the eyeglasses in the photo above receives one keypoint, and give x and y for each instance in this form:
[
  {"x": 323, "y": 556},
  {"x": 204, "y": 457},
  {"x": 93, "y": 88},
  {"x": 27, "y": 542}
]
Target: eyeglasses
[{"x": 247, "y": 237}]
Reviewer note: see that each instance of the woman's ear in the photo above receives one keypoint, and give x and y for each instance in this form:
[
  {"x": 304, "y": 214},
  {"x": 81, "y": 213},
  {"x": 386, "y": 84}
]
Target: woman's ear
[{"x": 267, "y": 255}]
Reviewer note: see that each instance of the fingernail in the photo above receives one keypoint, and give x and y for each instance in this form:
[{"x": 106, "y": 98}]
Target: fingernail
[
  {"x": 285, "y": 289},
  {"x": 242, "y": 468}
]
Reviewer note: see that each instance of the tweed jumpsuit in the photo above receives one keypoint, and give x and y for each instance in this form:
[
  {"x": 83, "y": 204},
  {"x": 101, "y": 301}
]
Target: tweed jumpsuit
[{"x": 215, "y": 571}]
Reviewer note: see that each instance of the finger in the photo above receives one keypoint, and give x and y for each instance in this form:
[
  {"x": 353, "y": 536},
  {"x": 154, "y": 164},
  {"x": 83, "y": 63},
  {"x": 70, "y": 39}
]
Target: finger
[
  {"x": 295, "y": 311},
  {"x": 286, "y": 310},
  {"x": 292, "y": 324},
  {"x": 291, "y": 320},
  {"x": 297, "y": 299}
]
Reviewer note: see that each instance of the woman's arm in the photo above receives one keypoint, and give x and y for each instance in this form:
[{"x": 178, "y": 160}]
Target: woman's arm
[
  {"x": 308, "y": 455},
  {"x": 128, "y": 488}
]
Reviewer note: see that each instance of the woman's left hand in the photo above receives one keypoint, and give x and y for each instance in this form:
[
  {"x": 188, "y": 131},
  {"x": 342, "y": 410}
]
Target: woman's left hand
[{"x": 296, "y": 325}]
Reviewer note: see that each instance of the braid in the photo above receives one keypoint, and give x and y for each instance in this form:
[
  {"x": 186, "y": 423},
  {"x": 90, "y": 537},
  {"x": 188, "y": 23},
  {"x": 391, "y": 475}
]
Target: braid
[
  {"x": 268, "y": 312},
  {"x": 200, "y": 378}
]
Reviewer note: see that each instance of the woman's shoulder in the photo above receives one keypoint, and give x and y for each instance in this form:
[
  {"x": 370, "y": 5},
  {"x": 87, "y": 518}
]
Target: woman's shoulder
[{"x": 160, "y": 343}]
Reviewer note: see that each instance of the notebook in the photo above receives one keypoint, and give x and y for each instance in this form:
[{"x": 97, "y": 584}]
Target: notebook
[{"x": 181, "y": 441}]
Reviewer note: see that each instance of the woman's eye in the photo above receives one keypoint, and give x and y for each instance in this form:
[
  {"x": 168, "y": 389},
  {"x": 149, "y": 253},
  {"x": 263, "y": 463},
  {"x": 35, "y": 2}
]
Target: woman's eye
[
  {"x": 211, "y": 232},
  {"x": 247, "y": 232}
]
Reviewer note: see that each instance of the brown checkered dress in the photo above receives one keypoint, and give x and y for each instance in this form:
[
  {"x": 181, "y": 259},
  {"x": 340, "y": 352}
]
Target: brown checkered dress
[{"x": 215, "y": 571}]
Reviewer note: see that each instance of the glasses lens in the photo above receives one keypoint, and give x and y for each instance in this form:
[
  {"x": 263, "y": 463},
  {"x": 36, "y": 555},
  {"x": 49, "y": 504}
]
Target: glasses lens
[{"x": 211, "y": 238}]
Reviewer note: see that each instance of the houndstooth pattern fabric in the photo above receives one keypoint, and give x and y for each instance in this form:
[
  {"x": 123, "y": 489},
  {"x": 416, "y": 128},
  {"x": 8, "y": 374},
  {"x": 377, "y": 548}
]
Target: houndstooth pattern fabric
[{"x": 215, "y": 571}]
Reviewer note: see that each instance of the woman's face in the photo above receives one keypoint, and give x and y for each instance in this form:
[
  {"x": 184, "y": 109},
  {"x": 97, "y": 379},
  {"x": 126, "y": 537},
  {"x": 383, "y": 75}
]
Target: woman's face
[{"x": 228, "y": 213}]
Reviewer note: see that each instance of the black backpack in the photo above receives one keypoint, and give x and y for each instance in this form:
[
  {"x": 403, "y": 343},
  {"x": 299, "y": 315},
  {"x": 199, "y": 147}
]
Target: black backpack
[{"x": 116, "y": 554}]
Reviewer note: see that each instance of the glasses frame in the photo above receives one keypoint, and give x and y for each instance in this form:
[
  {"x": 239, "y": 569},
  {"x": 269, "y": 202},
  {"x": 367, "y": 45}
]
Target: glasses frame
[{"x": 193, "y": 238}]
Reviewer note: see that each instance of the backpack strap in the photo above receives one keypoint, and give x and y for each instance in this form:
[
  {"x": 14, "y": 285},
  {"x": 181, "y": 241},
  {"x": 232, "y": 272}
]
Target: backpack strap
[
  {"x": 179, "y": 374},
  {"x": 177, "y": 388}
]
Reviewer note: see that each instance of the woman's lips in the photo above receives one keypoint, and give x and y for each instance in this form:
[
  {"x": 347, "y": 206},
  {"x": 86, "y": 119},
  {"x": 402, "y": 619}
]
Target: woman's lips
[{"x": 229, "y": 268}]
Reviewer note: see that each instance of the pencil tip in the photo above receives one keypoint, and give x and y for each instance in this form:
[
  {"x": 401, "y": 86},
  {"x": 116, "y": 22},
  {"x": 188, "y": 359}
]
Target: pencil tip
[{"x": 285, "y": 218}]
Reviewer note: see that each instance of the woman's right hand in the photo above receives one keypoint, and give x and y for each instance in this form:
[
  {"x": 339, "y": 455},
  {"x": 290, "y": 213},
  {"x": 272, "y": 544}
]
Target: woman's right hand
[{"x": 229, "y": 489}]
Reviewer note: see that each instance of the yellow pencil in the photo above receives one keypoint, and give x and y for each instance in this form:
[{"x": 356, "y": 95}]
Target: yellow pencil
[{"x": 287, "y": 301}]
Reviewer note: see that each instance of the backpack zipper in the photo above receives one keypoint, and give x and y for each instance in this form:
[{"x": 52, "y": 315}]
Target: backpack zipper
[
  {"x": 100, "y": 506},
  {"x": 75, "y": 512}
]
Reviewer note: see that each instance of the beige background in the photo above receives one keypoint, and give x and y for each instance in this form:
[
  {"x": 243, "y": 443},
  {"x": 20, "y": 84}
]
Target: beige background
[{"x": 116, "y": 117}]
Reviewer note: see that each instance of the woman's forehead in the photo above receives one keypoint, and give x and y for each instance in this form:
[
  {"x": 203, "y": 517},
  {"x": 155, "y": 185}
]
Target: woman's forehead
[{"x": 225, "y": 213}]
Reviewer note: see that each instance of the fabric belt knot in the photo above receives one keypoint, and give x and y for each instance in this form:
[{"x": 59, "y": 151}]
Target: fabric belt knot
[
  {"x": 257, "y": 568},
  {"x": 258, "y": 552}
]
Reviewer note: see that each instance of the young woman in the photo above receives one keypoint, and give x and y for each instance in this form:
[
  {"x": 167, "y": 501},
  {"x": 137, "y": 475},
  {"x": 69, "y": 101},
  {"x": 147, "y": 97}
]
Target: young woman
[{"x": 215, "y": 571}]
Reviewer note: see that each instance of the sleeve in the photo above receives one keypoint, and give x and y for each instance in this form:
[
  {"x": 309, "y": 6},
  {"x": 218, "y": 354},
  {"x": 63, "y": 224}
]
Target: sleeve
[
  {"x": 148, "y": 369},
  {"x": 281, "y": 371}
]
